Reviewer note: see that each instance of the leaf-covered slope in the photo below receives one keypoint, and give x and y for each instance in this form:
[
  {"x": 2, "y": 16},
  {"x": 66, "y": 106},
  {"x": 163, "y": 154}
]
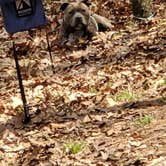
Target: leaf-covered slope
[{"x": 106, "y": 100}]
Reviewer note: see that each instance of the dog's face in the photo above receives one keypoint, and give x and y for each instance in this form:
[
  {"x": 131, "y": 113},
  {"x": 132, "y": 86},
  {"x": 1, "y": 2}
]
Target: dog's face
[{"x": 76, "y": 15}]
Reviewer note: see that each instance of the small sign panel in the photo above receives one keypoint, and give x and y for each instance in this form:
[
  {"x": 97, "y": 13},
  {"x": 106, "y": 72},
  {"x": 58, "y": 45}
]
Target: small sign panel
[
  {"x": 22, "y": 15},
  {"x": 24, "y": 7}
]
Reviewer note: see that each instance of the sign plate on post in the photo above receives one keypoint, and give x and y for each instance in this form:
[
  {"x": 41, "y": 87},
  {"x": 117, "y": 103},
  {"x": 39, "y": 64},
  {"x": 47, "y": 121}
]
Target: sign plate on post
[{"x": 22, "y": 15}]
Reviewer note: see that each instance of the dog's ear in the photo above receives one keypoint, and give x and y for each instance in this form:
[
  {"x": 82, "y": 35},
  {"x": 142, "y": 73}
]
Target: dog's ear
[
  {"x": 86, "y": 2},
  {"x": 64, "y": 6}
]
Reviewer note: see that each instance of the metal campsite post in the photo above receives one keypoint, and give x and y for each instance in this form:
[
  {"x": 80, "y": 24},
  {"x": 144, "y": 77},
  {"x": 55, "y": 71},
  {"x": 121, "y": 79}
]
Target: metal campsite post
[
  {"x": 26, "y": 117},
  {"x": 23, "y": 15}
]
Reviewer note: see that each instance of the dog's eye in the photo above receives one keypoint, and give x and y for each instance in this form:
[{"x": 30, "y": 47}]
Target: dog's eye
[
  {"x": 71, "y": 12},
  {"x": 83, "y": 10}
]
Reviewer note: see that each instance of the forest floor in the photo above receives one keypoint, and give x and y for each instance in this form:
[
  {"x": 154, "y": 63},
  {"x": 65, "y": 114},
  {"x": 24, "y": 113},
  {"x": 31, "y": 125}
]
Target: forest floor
[{"x": 104, "y": 106}]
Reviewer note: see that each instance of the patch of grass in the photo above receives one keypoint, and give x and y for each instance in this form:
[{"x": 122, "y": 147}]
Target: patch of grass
[
  {"x": 126, "y": 96},
  {"x": 163, "y": 83},
  {"x": 20, "y": 109},
  {"x": 93, "y": 89},
  {"x": 74, "y": 147},
  {"x": 143, "y": 121},
  {"x": 11, "y": 72},
  {"x": 109, "y": 84},
  {"x": 130, "y": 25},
  {"x": 163, "y": 99},
  {"x": 24, "y": 62},
  {"x": 116, "y": 35}
]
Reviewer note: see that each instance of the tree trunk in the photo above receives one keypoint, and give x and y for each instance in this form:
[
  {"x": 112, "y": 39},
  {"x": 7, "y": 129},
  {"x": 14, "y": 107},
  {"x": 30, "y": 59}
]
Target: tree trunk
[{"x": 142, "y": 8}]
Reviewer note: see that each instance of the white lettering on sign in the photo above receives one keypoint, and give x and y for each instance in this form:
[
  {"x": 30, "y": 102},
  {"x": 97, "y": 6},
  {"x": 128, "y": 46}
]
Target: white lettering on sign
[{"x": 23, "y": 7}]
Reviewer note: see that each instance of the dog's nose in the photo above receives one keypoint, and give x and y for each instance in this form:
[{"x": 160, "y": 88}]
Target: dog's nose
[{"x": 78, "y": 18}]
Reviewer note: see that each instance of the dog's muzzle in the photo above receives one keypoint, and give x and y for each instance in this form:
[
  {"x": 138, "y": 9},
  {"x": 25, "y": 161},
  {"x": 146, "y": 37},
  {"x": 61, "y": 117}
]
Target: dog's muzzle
[{"x": 78, "y": 20}]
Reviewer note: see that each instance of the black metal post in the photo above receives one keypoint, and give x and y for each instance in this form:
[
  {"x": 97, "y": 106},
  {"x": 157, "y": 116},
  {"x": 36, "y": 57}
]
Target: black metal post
[
  {"x": 49, "y": 50},
  {"x": 26, "y": 117}
]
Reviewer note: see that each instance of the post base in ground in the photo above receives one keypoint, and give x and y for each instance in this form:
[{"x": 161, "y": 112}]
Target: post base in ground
[{"x": 26, "y": 119}]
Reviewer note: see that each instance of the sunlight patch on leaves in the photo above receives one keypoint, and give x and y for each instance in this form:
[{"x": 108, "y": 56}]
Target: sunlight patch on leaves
[
  {"x": 110, "y": 101},
  {"x": 38, "y": 93},
  {"x": 16, "y": 102}
]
